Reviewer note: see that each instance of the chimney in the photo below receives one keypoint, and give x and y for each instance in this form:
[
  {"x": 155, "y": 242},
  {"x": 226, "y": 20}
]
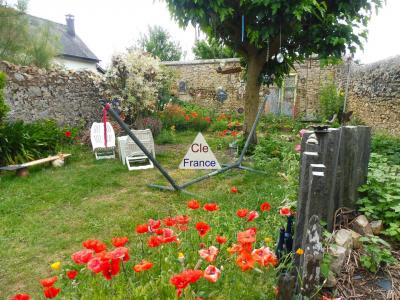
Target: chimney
[{"x": 70, "y": 25}]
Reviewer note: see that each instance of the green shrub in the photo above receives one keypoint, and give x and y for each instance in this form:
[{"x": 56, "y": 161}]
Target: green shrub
[
  {"x": 381, "y": 194},
  {"x": 166, "y": 137},
  {"x": 387, "y": 145},
  {"x": 3, "y": 106},
  {"x": 21, "y": 142},
  {"x": 219, "y": 125},
  {"x": 331, "y": 100},
  {"x": 273, "y": 123}
]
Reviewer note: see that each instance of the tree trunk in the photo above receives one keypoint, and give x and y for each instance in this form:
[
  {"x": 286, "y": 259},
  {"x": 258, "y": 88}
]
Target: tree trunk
[{"x": 252, "y": 97}]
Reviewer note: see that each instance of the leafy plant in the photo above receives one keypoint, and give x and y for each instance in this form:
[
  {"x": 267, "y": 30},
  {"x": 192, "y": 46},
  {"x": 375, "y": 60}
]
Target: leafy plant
[
  {"x": 330, "y": 100},
  {"x": 376, "y": 253},
  {"x": 387, "y": 145},
  {"x": 21, "y": 142},
  {"x": 3, "y": 106},
  {"x": 381, "y": 194},
  {"x": 212, "y": 49},
  {"x": 166, "y": 137}
]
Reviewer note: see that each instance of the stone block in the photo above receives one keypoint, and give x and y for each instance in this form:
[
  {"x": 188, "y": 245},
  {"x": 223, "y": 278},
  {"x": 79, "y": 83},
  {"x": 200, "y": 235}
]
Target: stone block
[
  {"x": 357, "y": 244},
  {"x": 362, "y": 226},
  {"x": 344, "y": 238},
  {"x": 376, "y": 226},
  {"x": 338, "y": 254}
]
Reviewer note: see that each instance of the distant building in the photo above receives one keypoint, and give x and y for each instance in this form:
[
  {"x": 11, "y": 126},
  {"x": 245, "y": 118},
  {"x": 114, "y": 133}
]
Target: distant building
[{"x": 74, "y": 54}]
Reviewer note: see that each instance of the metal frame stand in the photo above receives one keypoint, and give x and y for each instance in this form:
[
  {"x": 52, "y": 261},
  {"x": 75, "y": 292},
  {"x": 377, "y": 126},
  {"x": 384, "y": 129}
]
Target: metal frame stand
[{"x": 181, "y": 188}]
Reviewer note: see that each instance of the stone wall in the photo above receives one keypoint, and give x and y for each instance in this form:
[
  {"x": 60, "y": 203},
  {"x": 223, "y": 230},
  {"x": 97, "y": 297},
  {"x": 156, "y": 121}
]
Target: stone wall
[
  {"x": 69, "y": 97},
  {"x": 203, "y": 81},
  {"x": 374, "y": 94}
]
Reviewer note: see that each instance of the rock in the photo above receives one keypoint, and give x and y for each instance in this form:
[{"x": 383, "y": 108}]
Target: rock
[
  {"x": 338, "y": 257},
  {"x": 19, "y": 77},
  {"x": 376, "y": 226},
  {"x": 361, "y": 225},
  {"x": 331, "y": 280},
  {"x": 344, "y": 238},
  {"x": 356, "y": 239}
]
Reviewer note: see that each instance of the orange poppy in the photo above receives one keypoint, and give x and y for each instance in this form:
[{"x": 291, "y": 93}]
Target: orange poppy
[
  {"x": 143, "y": 266},
  {"x": 245, "y": 261}
]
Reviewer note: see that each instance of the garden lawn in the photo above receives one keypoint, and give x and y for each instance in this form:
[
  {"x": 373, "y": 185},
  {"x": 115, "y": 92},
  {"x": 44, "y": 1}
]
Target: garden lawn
[{"x": 45, "y": 218}]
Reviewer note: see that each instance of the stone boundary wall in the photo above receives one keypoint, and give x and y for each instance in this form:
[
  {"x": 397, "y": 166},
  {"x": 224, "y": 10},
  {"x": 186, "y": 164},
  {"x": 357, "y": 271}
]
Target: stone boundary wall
[
  {"x": 374, "y": 94},
  {"x": 202, "y": 82},
  {"x": 69, "y": 97}
]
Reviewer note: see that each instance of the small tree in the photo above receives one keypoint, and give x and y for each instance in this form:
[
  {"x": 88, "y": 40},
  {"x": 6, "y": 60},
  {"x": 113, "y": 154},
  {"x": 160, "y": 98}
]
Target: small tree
[
  {"x": 158, "y": 42},
  {"x": 276, "y": 29},
  {"x": 140, "y": 81},
  {"x": 212, "y": 49},
  {"x": 21, "y": 44}
]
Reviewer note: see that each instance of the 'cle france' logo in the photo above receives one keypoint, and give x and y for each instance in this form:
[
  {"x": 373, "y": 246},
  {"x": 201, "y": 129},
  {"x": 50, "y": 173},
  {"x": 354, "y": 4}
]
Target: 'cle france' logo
[{"x": 199, "y": 156}]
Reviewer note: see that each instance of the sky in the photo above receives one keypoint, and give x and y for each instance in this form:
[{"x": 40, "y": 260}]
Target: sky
[{"x": 113, "y": 25}]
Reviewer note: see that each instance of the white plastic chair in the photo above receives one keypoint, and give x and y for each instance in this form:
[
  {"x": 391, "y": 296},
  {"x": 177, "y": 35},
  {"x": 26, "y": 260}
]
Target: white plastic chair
[
  {"x": 98, "y": 143},
  {"x": 134, "y": 154}
]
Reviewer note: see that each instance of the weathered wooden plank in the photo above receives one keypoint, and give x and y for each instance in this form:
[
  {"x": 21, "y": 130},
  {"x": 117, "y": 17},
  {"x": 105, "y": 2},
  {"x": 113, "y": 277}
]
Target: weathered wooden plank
[{"x": 33, "y": 163}]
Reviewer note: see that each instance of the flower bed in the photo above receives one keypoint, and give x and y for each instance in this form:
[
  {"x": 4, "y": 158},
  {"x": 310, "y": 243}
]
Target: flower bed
[{"x": 201, "y": 251}]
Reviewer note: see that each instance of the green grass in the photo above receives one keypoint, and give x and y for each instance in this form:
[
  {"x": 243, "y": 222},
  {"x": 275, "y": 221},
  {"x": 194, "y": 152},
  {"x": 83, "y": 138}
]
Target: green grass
[{"x": 46, "y": 216}]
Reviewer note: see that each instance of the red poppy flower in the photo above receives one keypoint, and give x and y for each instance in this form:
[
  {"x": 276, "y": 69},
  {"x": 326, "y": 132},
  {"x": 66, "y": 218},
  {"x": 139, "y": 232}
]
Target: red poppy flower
[
  {"x": 245, "y": 261},
  {"x": 234, "y": 133},
  {"x": 142, "y": 228},
  {"x": 168, "y": 221},
  {"x": 72, "y": 274},
  {"x": 246, "y": 237},
  {"x": 21, "y": 297},
  {"x": 111, "y": 268},
  {"x": 252, "y": 215},
  {"x": 95, "y": 245},
  {"x": 154, "y": 241},
  {"x": 82, "y": 257},
  {"x": 187, "y": 118},
  {"x": 209, "y": 254},
  {"x": 143, "y": 266},
  {"x": 285, "y": 211},
  {"x": 242, "y": 213},
  {"x": 211, "y": 206},
  {"x": 51, "y": 292},
  {"x": 194, "y": 114},
  {"x": 193, "y": 204},
  {"x": 212, "y": 273},
  {"x": 182, "y": 280},
  {"x": 183, "y": 219},
  {"x": 48, "y": 282},
  {"x": 221, "y": 239},
  {"x": 154, "y": 225},
  {"x": 265, "y": 206},
  {"x": 119, "y": 241},
  {"x": 97, "y": 264},
  {"x": 234, "y": 190},
  {"x": 263, "y": 256},
  {"x": 68, "y": 134},
  {"x": 120, "y": 253},
  {"x": 207, "y": 119},
  {"x": 202, "y": 228},
  {"x": 236, "y": 248}
]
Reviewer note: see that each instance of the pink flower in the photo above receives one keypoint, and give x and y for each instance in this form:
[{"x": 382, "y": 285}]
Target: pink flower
[
  {"x": 263, "y": 256},
  {"x": 252, "y": 215},
  {"x": 285, "y": 211},
  {"x": 209, "y": 254},
  {"x": 297, "y": 148},
  {"x": 302, "y": 132},
  {"x": 212, "y": 273}
]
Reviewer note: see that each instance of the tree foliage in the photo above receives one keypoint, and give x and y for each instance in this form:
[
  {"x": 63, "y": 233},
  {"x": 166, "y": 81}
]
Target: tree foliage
[
  {"x": 295, "y": 29},
  {"x": 159, "y": 43},
  {"x": 21, "y": 43},
  {"x": 212, "y": 49},
  {"x": 3, "y": 106}
]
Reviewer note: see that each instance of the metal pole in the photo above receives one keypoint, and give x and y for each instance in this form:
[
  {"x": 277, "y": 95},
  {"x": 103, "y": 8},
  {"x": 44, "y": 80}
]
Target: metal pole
[{"x": 142, "y": 147}]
